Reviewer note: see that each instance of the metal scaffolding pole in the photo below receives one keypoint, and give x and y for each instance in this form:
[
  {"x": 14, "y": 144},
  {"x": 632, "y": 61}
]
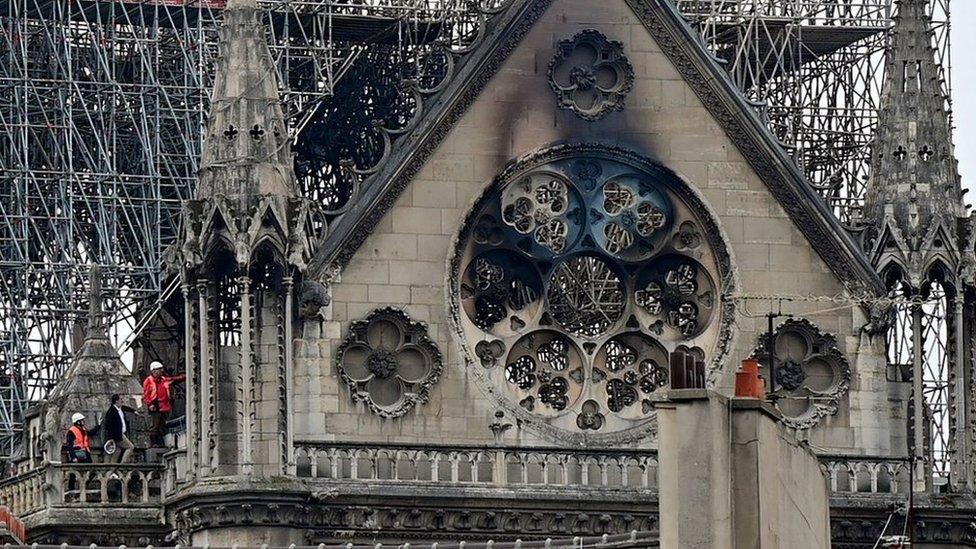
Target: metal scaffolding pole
[{"x": 102, "y": 110}]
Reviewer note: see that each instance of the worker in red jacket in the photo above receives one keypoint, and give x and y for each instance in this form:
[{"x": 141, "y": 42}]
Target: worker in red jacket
[{"x": 155, "y": 394}]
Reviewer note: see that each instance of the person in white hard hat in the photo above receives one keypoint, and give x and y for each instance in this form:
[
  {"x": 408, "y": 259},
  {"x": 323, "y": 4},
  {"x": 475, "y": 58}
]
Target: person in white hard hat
[
  {"x": 79, "y": 440},
  {"x": 155, "y": 394}
]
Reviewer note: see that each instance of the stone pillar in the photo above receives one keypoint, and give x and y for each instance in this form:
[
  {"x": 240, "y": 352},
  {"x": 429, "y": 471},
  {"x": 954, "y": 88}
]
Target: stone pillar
[
  {"x": 246, "y": 379},
  {"x": 288, "y": 457},
  {"x": 921, "y": 460},
  {"x": 191, "y": 388},
  {"x": 693, "y": 471},
  {"x": 731, "y": 475},
  {"x": 960, "y": 444},
  {"x": 206, "y": 381},
  {"x": 870, "y": 417}
]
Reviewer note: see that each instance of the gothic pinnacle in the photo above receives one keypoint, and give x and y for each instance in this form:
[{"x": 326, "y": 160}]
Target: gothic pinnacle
[
  {"x": 246, "y": 152},
  {"x": 914, "y": 184}
]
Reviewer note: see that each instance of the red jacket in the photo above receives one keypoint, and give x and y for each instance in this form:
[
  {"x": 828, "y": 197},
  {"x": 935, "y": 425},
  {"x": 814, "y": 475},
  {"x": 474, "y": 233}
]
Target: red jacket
[{"x": 158, "y": 390}]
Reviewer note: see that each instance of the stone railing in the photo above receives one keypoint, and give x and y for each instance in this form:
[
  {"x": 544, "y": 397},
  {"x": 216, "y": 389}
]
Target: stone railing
[
  {"x": 23, "y": 494},
  {"x": 108, "y": 484},
  {"x": 176, "y": 472},
  {"x": 512, "y": 467},
  {"x": 866, "y": 475},
  {"x": 87, "y": 485}
]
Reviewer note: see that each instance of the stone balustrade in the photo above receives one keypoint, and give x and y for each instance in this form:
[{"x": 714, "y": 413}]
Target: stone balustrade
[
  {"x": 866, "y": 475},
  {"x": 88, "y": 484},
  {"x": 129, "y": 484},
  {"x": 23, "y": 494},
  {"x": 514, "y": 467}
]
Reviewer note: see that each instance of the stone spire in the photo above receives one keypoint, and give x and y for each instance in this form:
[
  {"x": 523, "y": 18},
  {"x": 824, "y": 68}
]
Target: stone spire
[
  {"x": 914, "y": 188},
  {"x": 96, "y": 344},
  {"x": 96, "y": 313},
  {"x": 246, "y": 152},
  {"x": 96, "y": 371}
]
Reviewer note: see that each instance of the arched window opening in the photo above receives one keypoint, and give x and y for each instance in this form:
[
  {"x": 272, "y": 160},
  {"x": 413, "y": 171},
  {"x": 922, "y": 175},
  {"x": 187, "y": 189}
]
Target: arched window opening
[
  {"x": 935, "y": 377},
  {"x": 919, "y": 343},
  {"x": 901, "y": 334}
]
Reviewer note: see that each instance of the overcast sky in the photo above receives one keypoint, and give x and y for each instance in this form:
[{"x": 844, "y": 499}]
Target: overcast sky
[{"x": 964, "y": 90}]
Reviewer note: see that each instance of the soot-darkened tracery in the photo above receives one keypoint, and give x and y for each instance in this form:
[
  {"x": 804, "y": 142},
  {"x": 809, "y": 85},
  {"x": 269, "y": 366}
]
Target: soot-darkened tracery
[{"x": 575, "y": 275}]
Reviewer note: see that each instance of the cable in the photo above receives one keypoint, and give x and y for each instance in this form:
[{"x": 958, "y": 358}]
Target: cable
[{"x": 883, "y": 530}]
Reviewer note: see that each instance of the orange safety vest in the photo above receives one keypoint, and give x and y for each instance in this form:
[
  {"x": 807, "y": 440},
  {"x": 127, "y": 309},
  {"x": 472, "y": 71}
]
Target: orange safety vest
[{"x": 81, "y": 438}]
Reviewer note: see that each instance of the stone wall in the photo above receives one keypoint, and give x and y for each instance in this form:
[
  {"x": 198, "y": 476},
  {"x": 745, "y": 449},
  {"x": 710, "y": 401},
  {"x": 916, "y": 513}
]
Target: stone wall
[{"x": 403, "y": 263}]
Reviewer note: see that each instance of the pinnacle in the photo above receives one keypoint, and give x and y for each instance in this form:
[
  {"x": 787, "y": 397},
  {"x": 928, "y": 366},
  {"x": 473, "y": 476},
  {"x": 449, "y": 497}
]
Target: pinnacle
[
  {"x": 913, "y": 169},
  {"x": 246, "y": 152}
]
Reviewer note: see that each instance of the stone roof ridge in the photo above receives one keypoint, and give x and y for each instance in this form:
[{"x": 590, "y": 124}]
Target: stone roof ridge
[
  {"x": 914, "y": 172},
  {"x": 247, "y": 150}
]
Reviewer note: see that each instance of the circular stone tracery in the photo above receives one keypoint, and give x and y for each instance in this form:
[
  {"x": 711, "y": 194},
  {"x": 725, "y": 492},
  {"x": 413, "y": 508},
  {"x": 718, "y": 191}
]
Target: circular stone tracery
[{"x": 577, "y": 273}]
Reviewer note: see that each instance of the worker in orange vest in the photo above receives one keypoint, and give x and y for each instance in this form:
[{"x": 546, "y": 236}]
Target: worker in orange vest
[
  {"x": 155, "y": 394},
  {"x": 79, "y": 440}
]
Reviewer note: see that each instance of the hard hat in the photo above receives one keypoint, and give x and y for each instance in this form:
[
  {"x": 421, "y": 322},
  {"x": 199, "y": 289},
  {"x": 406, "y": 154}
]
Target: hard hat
[
  {"x": 155, "y": 365},
  {"x": 76, "y": 417}
]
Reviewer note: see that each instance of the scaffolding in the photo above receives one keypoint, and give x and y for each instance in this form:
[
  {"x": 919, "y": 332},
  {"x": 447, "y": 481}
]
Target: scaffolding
[
  {"x": 815, "y": 69},
  {"x": 102, "y": 110},
  {"x": 103, "y": 105}
]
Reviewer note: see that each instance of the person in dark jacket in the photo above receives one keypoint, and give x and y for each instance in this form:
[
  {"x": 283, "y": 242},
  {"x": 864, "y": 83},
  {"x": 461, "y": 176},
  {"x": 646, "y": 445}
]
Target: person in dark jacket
[{"x": 116, "y": 428}]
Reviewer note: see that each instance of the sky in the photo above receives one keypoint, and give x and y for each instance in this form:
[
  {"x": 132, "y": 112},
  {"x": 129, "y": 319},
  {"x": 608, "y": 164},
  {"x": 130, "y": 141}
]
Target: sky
[{"x": 964, "y": 90}]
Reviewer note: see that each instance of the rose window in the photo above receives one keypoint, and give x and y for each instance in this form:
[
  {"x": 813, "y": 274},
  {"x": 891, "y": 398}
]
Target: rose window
[
  {"x": 812, "y": 374},
  {"x": 388, "y": 362},
  {"x": 576, "y": 275}
]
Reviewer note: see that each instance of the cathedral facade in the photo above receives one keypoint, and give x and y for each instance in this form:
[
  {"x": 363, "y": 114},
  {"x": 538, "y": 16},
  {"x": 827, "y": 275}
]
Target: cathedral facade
[{"x": 470, "y": 340}]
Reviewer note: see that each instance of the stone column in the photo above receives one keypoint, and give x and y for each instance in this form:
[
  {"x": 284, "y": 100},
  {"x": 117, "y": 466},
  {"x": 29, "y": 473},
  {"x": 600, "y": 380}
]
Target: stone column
[
  {"x": 206, "y": 381},
  {"x": 288, "y": 458},
  {"x": 960, "y": 443},
  {"x": 191, "y": 388},
  {"x": 246, "y": 378},
  {"x": 921, "y": 461}
]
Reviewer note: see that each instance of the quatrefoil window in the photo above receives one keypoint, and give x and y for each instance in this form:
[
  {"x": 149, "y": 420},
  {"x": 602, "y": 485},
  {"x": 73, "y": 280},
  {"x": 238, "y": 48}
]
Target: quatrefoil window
[
  {"x": 572, "y": 329},
  {"x": 590, "y": 75},
  {"x": 389, "y": 362},
  {"x": 812, "y": 374}
]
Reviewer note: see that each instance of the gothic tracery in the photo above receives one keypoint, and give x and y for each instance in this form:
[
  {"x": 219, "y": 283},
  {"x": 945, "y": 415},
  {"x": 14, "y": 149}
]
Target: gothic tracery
[{"x": 577, "y": 273}]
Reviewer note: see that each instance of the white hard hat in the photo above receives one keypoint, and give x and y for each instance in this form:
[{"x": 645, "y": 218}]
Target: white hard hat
[
  {"x": 155, "y": 365},
  {"x": 76, "y": 417}
]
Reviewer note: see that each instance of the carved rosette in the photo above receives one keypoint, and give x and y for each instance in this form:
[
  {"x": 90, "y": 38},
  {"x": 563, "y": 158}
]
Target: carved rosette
[
  {"x": 574, "y": 276},
  {"x": 812, "y": 374},
  {"x": 389, "y": 362},
  {"x": 590, "y": 75}
]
